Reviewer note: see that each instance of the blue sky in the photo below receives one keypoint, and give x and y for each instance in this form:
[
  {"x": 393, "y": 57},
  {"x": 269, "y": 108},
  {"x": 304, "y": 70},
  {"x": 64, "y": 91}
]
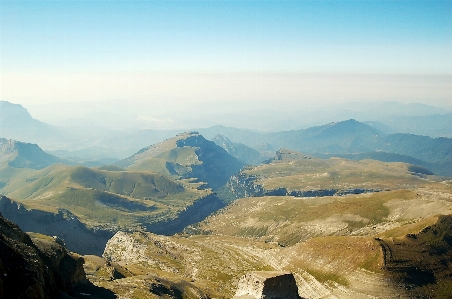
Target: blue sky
[
  {"x": 57, "y": 51},
  {"x": 212, "y": 36}
]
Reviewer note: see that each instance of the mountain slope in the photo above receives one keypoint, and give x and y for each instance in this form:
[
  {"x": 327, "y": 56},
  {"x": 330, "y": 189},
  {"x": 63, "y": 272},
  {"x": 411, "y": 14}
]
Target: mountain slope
[
  {"x": 422, "y": 260},
  {"x": 421, "y": 147},
  {"x": 240, "y": 151},
  {"x": 36, "y": 267},
  {"x": 103, "y": 201},
  {"x": 436, "y": 124},
  {"x": 17, "y": 123},
  {"x": 186, "y": 156},
  {"x": 16, "y": 119},
  {"x": 100, "y": 197},
  {"x": 333, "y": 243},
  {"x": 341, "y": 137},
  {"x": 25, "y": 155}
]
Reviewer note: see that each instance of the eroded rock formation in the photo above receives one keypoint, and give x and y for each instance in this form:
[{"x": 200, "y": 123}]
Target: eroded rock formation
[{"x": 268, "y": 285}]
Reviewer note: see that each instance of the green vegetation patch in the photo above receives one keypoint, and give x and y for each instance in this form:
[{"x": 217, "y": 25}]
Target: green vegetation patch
[
  {"x": 341, "y": 254},
  {"x": 326, "y": 276}
]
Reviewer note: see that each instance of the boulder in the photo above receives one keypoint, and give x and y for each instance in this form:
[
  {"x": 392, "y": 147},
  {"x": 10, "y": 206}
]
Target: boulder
[{"x": 268, "y": 285}]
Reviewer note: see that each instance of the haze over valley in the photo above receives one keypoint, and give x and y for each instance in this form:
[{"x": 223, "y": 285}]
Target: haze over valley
[{"x": 226, "y": 149}]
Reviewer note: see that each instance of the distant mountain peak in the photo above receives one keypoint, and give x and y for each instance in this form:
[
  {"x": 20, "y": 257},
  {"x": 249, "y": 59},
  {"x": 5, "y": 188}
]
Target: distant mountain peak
[
  {"x": 190, "y": 139},
  {"x": 24, "y": 155},
  {"x": 349, "y": 126},
  {"x": 187, "y": 155},
  {"x": 17, "y": 123},
  {"x": 11, "y": 110}
]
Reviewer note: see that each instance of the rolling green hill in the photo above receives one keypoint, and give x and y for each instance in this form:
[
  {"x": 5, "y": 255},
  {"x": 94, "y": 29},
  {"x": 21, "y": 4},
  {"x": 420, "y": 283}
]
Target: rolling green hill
[
  {"x": 100, "y": 197},
  {"x": 102, "y": 201}
]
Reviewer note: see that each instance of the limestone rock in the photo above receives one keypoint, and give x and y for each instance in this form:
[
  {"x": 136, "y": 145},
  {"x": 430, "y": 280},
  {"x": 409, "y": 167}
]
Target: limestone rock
[{"x": 268, "y": 285}]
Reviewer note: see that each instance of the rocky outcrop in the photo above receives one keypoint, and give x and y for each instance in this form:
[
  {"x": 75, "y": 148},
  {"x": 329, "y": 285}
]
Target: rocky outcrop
[
  {"x": 244, "y": 185},
  {"x": 36, "y": 268},
  {"x": 286, "y": 154},
  {"x": 161, "y": 252},
  {"x": 76, "y": 236},
  {"x": 268, "y": 285}
]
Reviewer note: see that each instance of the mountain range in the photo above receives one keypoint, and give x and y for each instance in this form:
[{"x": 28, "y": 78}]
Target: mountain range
[
  {"x": 90, "y": 143},
  {"x": 348, "y": 209}
]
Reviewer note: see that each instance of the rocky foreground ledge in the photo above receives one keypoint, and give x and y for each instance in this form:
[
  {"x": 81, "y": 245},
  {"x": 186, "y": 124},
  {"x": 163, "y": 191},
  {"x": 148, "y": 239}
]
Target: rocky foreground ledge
[{"x": 38, "y": 267}]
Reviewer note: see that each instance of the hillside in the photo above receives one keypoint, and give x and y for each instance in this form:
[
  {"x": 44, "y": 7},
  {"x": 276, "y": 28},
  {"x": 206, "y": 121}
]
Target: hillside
[
  {"x": 186, "y": 156},
  {"x": 421, "y": 147},
  {"x": 339, "y": 256},
  {"x": 348, "y": 136},
  {"x": 103, "y": 201},
  {"x": 101, "y": 197},
  {"x": 441, "y": 167},
  {"x": 329, "y": 241},
  {"x": 422, "y": 260},
  {"x": 25, "y": 155}
]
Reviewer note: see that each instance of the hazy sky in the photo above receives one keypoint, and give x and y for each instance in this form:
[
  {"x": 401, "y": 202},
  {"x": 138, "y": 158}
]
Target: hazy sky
[{"x": 180, "y": 52}]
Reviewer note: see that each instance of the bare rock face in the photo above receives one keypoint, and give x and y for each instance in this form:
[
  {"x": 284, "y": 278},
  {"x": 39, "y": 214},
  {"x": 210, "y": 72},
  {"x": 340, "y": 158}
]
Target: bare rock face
[
  {"x": 77, "y": 237},
  {"x": 36, "y": 267},
  {"x": 268, "y": 285}
]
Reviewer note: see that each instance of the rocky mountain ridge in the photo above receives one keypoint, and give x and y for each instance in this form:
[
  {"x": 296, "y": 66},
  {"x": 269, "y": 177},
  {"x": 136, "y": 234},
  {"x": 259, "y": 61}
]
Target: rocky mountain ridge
[
  {"x": 25, "y": 155},
  {"x": 92, "y": 147},
  {"x": 351, "y": 137},
  {"x": 240, "y": 151},
  {"x": 187, "y": 156}
]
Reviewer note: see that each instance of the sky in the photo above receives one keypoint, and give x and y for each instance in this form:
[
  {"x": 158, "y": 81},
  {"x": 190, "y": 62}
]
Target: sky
[{"x": 163, "y": 55}]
